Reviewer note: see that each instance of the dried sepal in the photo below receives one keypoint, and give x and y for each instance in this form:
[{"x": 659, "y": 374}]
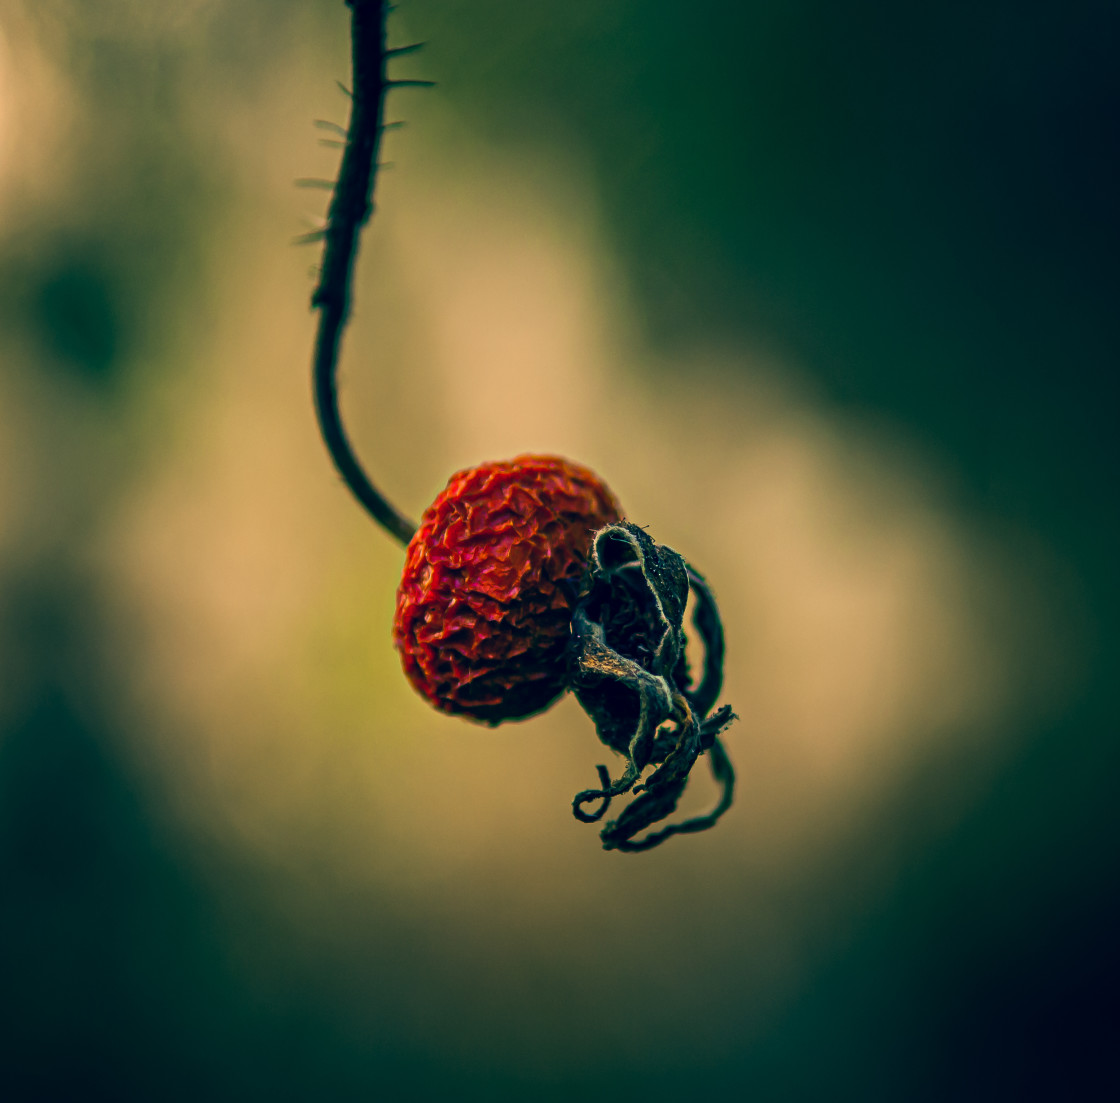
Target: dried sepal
[{"x": 629, "y": 670}]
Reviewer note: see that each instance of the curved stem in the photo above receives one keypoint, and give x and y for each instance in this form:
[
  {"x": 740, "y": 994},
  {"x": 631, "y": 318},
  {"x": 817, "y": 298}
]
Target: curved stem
[{"x": 350, "y": 209}]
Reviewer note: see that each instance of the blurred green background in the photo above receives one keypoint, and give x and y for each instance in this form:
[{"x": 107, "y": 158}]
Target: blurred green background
[{"x": 826, "y": 291}]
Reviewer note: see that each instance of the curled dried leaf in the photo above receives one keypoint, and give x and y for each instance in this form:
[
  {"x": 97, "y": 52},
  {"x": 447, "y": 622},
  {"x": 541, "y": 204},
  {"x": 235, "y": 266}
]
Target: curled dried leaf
[{"x": 629, "y": 670}]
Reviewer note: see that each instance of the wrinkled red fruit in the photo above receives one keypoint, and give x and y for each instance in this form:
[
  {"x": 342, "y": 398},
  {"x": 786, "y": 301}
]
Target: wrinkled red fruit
[{"x": 485, "y": 602}]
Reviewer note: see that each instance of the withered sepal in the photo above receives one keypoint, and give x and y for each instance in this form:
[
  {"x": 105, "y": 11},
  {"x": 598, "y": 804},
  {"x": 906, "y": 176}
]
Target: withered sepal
[{"x": 629, "y": 670}]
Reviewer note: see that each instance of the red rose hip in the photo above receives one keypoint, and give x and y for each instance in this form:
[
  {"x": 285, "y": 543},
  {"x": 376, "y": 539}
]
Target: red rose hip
[{"x": 484, "y": 606}]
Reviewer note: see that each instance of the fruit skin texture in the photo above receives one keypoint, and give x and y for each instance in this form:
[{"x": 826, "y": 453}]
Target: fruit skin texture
[{"x": 484, "y": 606}]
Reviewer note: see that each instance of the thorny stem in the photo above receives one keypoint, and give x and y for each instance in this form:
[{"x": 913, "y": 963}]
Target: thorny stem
[{"x": 350, "y": 209}]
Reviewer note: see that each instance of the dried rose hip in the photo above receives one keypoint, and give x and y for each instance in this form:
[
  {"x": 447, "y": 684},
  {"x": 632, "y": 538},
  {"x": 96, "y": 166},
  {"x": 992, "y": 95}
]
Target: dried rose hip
[
  {"x": 485, "y": 605},
  {"x": 523, "y": 580}
]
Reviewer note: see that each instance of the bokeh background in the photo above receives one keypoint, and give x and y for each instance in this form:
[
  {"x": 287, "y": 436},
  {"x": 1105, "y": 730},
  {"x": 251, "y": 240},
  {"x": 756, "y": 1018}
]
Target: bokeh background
[{"x": 826, "y": 291}]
